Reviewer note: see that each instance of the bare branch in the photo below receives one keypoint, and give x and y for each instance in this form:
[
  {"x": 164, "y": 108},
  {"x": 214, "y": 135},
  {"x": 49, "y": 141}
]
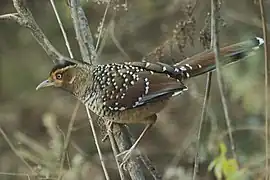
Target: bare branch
[
  {"x": 15, "y": 151},
  {"x": 97, "y": 145},
  {"x": 115, "y": 151},
  {"x": 215, "y": 27},
  {"x": 24, "y": 18},
  {"x": 83, "y": 32},
  {"x": 124, "y": 142},
  {"x": 266, "y": 68}
]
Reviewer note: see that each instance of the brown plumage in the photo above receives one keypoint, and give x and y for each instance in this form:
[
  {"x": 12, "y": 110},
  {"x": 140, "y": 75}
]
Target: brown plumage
[{"x": 134, "y": 92}]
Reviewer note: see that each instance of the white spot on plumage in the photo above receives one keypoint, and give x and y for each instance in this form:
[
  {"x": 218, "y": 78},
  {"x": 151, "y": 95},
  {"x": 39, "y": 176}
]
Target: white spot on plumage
[
  {"x": 111, "y": 108},
  {"x": 164, "y": 68},
  {"x": 176, "y": 70},
  {"x": 189, "y": 66},
  {"x": 177, "y": 93},
  {"x": 199, "y": 66},
  {"x": 136, "y": 104},
  {"x": 146, "y": 89},
  {"x": 122, "y": 108},
  {"x": 183, "y": 68},
  {"x": 147, "y": 64}
]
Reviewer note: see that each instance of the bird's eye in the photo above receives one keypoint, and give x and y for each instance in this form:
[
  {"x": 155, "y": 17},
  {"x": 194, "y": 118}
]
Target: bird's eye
[{"x": 58, "y": 76}]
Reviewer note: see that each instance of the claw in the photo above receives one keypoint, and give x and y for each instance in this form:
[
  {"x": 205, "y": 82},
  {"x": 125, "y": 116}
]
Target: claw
[
  {"x": 126, "y": 155},
  {"x": 109, "y": 130}
]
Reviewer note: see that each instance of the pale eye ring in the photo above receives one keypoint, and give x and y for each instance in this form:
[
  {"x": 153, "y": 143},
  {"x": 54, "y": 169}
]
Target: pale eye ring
[{"x": 58, "y": 76}]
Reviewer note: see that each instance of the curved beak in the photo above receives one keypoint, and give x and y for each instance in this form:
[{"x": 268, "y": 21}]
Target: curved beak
[{"x": 45, "y": 83}]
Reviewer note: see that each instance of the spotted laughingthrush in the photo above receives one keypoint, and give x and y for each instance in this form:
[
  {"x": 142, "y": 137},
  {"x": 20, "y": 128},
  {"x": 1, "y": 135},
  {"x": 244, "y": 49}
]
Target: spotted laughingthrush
[{"x": 134, "y": 92}]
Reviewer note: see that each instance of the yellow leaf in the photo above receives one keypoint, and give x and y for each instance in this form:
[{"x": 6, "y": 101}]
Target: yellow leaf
[
  {"x": 223, "y": 149},
  {"x": 229, "y": 167}
]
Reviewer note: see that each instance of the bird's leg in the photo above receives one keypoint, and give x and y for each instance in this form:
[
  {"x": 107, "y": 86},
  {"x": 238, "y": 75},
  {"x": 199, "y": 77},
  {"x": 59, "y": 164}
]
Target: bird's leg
[
  {"x": 109, "y": 125},
  {"x": 128, "y": 152}
]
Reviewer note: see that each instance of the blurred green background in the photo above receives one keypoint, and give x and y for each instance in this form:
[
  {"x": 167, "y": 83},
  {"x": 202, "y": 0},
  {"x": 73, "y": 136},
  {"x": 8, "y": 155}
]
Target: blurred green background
[{"x": 144, "y": 26}]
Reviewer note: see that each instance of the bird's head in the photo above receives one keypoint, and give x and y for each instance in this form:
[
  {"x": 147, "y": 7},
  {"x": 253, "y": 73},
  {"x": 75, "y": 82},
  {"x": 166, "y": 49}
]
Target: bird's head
[{"x": 67, "y": 76}]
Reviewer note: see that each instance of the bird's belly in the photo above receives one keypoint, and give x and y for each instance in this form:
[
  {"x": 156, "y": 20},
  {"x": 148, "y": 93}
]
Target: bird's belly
[{"x": 135, "y": 115}]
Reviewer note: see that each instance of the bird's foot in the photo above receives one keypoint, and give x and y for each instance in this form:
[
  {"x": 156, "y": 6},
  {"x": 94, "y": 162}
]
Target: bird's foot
[
  {"x": 109, "y": 125},
  {"x": 125, "y": 157}
]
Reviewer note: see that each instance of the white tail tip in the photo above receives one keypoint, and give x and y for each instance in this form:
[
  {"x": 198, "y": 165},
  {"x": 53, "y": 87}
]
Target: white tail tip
[{"x": 261, "y": 41}]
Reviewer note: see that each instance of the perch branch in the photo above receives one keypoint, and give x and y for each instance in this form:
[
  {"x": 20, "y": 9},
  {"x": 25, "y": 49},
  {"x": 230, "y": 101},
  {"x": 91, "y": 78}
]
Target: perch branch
[
  {"x": 264, "y": 28},
  {"x": 83, "y": 33}
]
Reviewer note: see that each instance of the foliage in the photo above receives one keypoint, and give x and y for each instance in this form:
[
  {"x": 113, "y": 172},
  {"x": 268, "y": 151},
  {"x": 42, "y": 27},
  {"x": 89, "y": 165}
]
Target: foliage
[{"x": 226, "y": 167}]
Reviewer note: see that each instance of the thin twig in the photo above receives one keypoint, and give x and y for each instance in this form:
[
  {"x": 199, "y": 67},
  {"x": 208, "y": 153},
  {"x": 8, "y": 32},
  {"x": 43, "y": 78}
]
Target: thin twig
[
  {"x": 203, "y": 117},
  {"x": 67, "y": 139},
  {"x": 102, "y": 25},
  {"x": 214, "y": 23},
  {"x": 107, "y": 177},
  {"x": 116, "y": 42},
  {"x": 62, "y": 29},
  {"x": 115, "y": 152},
  {"x": 203, "y": 113},
  {"x": 15, "y": 151},
  {"x": 263, "y": 18}
]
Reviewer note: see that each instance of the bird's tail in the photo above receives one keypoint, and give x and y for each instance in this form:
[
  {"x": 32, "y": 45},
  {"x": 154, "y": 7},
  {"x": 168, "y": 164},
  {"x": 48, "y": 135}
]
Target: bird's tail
[{"x": 205, "y": 62}]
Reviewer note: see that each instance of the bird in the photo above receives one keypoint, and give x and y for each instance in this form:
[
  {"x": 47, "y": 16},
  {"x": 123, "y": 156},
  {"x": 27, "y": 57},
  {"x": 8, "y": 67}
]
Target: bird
[{"x": 134, "y": 92}]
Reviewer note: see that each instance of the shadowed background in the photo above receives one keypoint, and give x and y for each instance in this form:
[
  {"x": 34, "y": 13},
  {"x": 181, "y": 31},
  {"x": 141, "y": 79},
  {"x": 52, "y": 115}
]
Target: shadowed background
[{"x": 170, "y": 144}]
